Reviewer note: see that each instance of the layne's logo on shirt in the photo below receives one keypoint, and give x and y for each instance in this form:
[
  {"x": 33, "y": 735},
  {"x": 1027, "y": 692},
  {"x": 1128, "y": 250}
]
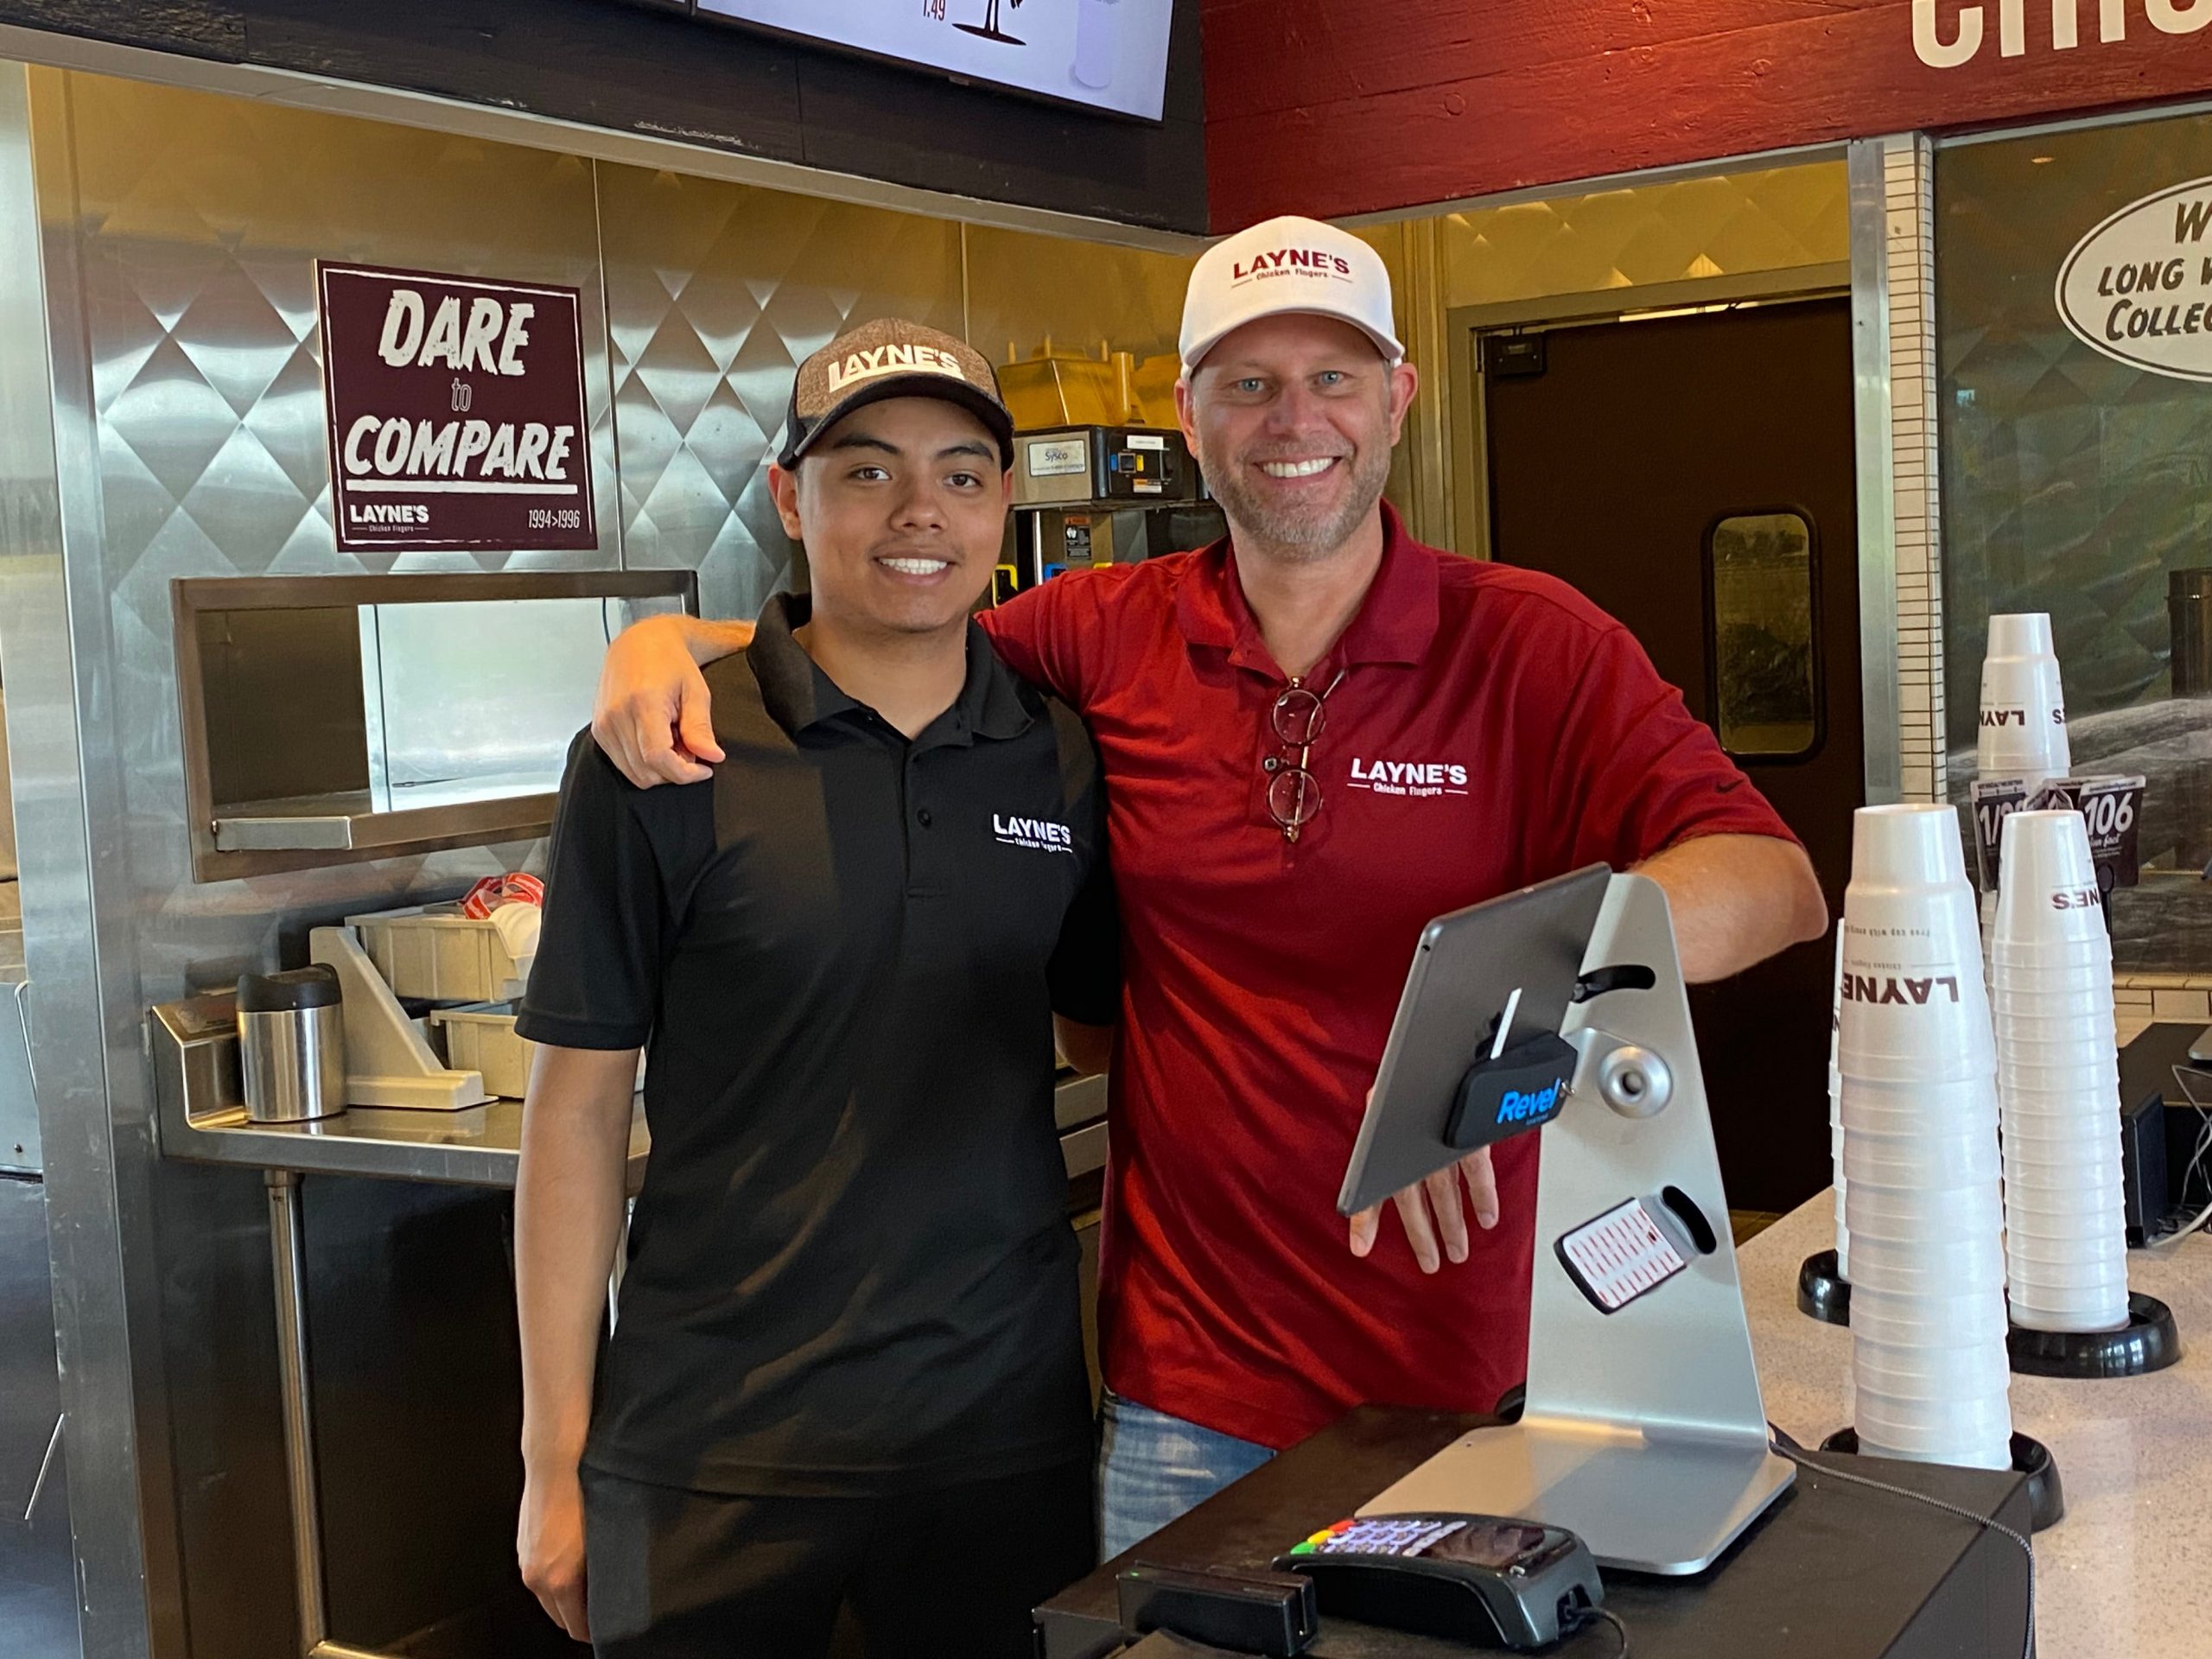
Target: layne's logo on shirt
[
  {"x": 1039, "y": 835},
  {"x": 1409, "y": 776},
  {"x": 893, "y": 359}
]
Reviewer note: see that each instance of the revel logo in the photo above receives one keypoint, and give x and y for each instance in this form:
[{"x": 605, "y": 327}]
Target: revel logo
[
  {"x": 1039, "y": 835},
  {"x": 1518, "y": 1107},
  {"x": 1285, "y": 262}
]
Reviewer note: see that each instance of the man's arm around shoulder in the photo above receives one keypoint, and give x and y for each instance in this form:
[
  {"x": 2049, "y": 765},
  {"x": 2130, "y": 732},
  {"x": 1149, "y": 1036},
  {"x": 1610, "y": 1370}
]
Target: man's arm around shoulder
[{"x": 652, "y": 715}]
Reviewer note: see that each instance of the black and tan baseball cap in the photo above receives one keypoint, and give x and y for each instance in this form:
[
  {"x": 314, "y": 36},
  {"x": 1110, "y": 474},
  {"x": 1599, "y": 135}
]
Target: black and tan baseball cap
[{"x": 891, "y": 357}]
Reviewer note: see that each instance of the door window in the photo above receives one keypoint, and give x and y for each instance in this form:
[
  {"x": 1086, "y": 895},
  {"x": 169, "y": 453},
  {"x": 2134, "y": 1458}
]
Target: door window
[{"x": 1762, "y": 635}]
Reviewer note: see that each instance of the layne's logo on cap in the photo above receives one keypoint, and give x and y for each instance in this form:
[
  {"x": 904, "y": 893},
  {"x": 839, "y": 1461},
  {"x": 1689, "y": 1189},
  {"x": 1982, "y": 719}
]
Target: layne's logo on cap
[
  {"x": 891, "y": 357},
  {"x": 1291, "y": 261},
  {"x": 1288, "y": 265}
]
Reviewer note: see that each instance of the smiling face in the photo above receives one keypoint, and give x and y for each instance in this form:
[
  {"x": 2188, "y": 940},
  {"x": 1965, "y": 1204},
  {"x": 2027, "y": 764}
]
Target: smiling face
[
  {"x": 1293, "y": 419},
  {"x": 901, "y": 506}
]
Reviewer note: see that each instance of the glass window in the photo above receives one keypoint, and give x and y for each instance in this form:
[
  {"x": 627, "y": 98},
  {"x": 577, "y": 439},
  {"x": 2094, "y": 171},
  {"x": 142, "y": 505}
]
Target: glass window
[
  {"x": 1759, "y": 589},
  {"x": 2075, "y": 429}
]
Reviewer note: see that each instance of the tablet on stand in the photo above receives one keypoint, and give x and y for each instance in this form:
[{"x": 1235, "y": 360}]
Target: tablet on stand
[{"x": 1564, "y": 1005}]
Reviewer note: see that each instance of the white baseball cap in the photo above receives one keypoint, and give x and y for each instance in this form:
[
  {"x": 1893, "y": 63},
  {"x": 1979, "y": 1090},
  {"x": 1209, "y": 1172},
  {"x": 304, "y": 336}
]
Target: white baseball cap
[{"x": 1288, "y": 265}]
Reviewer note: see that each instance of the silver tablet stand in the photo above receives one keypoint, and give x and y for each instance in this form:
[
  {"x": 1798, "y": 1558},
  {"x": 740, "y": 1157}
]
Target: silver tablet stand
[{"x": 1643, "y": 1433}]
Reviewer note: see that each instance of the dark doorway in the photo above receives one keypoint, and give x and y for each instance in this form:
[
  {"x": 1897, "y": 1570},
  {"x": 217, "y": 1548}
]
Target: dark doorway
[{"x": 1694, "y": 475}]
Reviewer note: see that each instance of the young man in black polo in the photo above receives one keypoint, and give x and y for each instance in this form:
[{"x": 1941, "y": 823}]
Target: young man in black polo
[{"x": 848, "y": 1368}]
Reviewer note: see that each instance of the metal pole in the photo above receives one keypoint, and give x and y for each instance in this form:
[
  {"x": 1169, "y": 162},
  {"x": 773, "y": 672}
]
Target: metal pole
[
  {"x": 287, "y": 1249},
  {"x": 286, "y": 1243}
]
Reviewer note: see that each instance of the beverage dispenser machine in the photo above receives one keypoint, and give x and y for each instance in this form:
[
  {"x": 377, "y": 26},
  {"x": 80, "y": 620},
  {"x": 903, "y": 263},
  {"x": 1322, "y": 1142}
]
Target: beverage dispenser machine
[{"x": 1099, "y": 495}]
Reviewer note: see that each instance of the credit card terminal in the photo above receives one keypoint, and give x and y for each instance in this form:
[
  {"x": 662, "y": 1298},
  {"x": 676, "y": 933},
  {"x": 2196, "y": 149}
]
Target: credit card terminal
[{"x": 1481, "y": 1579}]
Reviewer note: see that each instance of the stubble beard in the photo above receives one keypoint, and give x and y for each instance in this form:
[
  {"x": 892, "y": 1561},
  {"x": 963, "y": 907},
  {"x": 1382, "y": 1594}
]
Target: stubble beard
[{"x": 1305, "y": 535}]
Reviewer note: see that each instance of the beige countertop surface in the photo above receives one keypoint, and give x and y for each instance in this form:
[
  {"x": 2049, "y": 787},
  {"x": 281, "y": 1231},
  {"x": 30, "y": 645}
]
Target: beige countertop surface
[{"x": 2127, "y": 1574}]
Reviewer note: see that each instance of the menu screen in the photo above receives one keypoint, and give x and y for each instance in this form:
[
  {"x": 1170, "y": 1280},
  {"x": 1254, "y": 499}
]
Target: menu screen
[{"x": 1111, "y": 54}]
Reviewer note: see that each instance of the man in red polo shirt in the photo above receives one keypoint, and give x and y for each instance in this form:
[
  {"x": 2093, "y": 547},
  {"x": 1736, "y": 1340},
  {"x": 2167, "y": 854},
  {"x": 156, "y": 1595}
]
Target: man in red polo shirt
[{"x": 1317, "y": 735}]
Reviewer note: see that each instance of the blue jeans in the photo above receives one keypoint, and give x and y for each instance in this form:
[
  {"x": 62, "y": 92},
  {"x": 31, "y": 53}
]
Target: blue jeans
[{"x": 1153, "y": 1468}]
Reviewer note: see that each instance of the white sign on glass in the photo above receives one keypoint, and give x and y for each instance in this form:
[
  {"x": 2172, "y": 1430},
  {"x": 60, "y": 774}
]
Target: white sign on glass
[
  {"x": 1110, "y": 53},
  {"x": 2138, "y": 287}
]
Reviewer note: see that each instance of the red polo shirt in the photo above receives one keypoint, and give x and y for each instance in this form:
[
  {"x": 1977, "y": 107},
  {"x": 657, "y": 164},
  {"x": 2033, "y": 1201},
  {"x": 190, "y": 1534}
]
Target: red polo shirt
[{"x": 1261, "y": 976}]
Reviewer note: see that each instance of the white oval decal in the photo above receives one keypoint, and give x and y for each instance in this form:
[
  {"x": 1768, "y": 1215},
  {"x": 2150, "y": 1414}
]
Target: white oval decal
[{"x": 2138, "y": 287}]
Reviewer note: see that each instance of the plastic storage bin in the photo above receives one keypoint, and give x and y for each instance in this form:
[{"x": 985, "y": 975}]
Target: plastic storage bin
[
  {"x": 434, "y": 952},
  {"x": 482, "y": 1038}
]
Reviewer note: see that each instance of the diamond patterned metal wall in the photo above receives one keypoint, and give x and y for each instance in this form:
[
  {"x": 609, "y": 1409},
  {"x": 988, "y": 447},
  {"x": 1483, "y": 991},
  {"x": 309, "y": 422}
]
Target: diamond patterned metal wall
[
  {"x": 2073, "y": 483},
  {"x": 715, "y": 293},
  {"x": 196, "y": 222},
  {"x": 1022, "y": 287},
  {"x": 181, "y": 233},
  {"x": 1772, "y": 219}
]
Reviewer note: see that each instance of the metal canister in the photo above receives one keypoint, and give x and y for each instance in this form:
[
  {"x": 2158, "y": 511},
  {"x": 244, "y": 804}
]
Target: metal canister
[
  {"x": 2189, "y": 611},
  {"x": 292, "y": 1045}
]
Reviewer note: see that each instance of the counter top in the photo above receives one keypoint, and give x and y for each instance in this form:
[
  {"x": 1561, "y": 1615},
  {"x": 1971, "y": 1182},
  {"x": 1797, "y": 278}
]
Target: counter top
[
  {"x": 478, "y": 1146},
  {"x": 1832, "y": 1570},
  {"x": 2123, "y": 1575}
]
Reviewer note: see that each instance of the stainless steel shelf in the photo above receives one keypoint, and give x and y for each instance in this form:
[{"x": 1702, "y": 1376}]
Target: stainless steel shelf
[
  {"x": 355, "y": 821},
  {"x": 201, "y": 1116}
]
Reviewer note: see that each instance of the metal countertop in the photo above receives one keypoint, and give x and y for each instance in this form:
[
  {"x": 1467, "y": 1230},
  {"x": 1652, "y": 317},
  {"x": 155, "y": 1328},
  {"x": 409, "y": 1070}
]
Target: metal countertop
[{"x": 203, "y": 1120}]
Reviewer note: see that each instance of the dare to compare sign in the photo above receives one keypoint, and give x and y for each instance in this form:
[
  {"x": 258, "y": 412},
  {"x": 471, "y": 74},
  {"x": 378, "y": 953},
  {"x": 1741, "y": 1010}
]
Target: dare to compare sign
[
  {"x": 456, "y": 412},
  {"x": 2138, "y": 287}
]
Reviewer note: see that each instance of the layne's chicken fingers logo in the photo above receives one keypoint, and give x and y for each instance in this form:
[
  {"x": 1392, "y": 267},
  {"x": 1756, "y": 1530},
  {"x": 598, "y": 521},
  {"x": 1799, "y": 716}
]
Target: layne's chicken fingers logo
[
  {"x": 1038, "y": 835},
  {"x": 1290, "y": 262}
]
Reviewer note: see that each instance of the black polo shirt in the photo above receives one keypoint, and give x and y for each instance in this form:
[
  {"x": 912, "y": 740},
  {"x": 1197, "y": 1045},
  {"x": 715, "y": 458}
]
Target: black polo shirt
[{"x": 850, "y": 1269}]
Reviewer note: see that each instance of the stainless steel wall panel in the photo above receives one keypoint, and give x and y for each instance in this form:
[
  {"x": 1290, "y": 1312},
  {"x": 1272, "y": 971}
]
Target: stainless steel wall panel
[
  {"x": 1668, "y": 230},
  {"x": 715, "y": 293},
  {"x": 197, "y": 221},
  {"x": 180, "y": 234},
  {"x": 1022, "y": 287},
  {"x": 53, "y": 641},
  {"x": 38, "y": 1603}
]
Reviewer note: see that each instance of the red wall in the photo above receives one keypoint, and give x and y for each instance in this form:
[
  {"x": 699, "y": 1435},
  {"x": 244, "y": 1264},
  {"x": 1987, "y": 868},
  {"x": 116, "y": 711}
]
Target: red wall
[{"x": 1342, "y": 106}]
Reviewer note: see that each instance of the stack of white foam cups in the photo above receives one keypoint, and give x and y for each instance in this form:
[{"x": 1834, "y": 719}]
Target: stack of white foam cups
[
  {"x": 2058, "y": 1075},
  {"x": 1917, "y": 1071},
  {"x": 2023, "y": 714},
  {"x": 2022, "y": 704},
  {"x": 1836, "y": 1119}
]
